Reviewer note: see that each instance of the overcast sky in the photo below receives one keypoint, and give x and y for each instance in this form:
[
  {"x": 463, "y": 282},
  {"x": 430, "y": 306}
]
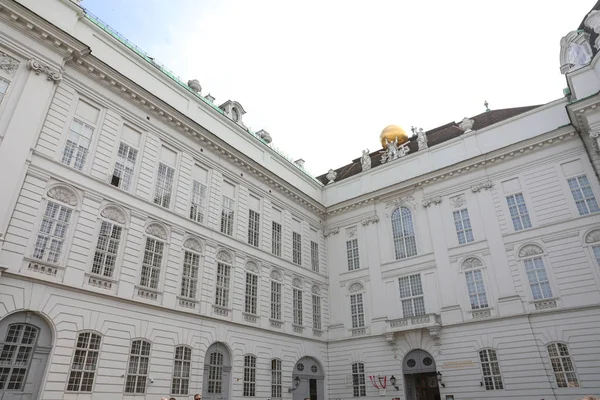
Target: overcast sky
[{"x": 324, "y": 77}]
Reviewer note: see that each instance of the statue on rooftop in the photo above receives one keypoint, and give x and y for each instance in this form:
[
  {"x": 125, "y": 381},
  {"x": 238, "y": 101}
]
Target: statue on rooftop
[
  {"x": 393, "y": 151},
  {"x": 422, "y": 139},
  {"x": 365, "y": 160},
  {"x": 331, "y": 175}
]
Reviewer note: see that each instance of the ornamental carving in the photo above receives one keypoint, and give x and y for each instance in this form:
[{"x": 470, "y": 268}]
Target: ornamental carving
[
  {"x": 297, "y": 283},
  {"x": 370, "y": 220},
  {"x": 575, "y": 51},
  {"x": 316, "y": 289},
  {"x": 595, "y": 136},
  {"x": 351, "y": 232},
  {"x": 114, "y": 214},
  {"x": 466, "y": 125},
  {"x": 432, "y": 200},
  {"x": 64, "y": 194},
  {"x": 482, "y": 185},
  {"x": 471, "y": 263},
  {"x": 355, "y": 288},
  {"x": 331, "y": 175},
  {"x": 276, "y": 275},
  {"x": 530, "y": 250},
  {"x": 156, "y": 230},
  {"x": 193, "y": 244},
  {"x": 403, "y": 201},
  {"x": 332, "y": 231},
  {"x": 51, "y": 73},
  {"x": 593, "y": 236},
  {"x": 458, "y": 201},
  {"x": 365, "y": 160},
  {"x": 251, "y": 266},
  {"x": 8, "y": 64},
  {"x": 225, "y": 257}
]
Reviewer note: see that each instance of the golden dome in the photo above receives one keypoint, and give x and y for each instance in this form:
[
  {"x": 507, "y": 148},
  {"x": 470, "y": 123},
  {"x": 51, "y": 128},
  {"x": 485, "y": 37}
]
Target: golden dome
[{"x": 391, "y": 133}]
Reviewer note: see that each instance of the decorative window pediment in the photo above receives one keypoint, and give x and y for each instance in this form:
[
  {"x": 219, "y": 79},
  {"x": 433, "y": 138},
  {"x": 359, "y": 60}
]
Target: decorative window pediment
[
  {"x": 316, "y": 289},
  {"x": 225, "y": 257},
  {"x": 252, "y": 267},
  {"x": 356, "y": 288},
  {"x": 157, "y": 230},
  {"x": 297, "y": 283},
  {"x": 530, "y": 250},
  {"x": 593, "y": 236},
  {"x": 276, "y": 275},
  {"x": 193, "y": 244},
  {"x": 63, "y": 194},
  {"x": 472, "y": 263},
  {"x": 114, "y": 213}
]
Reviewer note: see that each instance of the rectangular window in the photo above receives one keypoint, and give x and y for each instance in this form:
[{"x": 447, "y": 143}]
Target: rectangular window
[
  {"x": 357, "y": 310},
  {"x": 276, "y": 300},
  {"x": 223, "y": 278},
  {"x": 198, "y": 200},
  {"x": 105, "y": 257},
  {"x": 276, "y": 239},
  {"x": 297, "y": 248},
  {"x": 16, "y": 355},
  {"x": 297, "y": 306},
  {"x": 85, "y": 361},
  {"x": 538, "y": 279},
  {"x": 249, "y": 376},
  {"x": 596, "y": 250},
  {"x": 316, "y": 312},
  {"x": 52, "y": 233},
  {"x": 582, "y": 194},
  {"x": 251, "y": 293},
  {"x": 164, "y": 185},
  {"x": 352, "y": 254},
  {"x": 215, "y": 373},
  {"x": 276, "y": 384},
  {"x": 314, "y": 256},
  {"x": 181, "y": 370},
  {"x": 78, "y": 144},
  {"x": 359, "y": 388},
  {"x": 463, "y": 226},
  {"x": 137, "y": 371},
  {"x": 189, "y": 279},
  {"x": 3, "y": 88},
  {"x": 411, "y": 294},
  {"x": 253, "y": 228},
  {"x": 124, "y": 167},
  {"x": 476, "y": 289},
  {"x": 228, "y": 207},
  {"x": 491, "y": 369},
  {"x": 151, "y": 264},
  {"x": 518, "y": 211}
]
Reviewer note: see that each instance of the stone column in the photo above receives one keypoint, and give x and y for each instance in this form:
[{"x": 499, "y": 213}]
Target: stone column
[{"x": 22, "y": 132}]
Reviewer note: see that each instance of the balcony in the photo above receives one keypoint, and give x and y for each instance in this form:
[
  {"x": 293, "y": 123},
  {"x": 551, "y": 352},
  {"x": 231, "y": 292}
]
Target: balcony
[{"x": 432, "y": 322}]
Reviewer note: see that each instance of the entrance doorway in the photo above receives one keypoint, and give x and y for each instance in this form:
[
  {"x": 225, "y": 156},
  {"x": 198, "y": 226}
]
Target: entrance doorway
[
  {"x": 217, "y": 372},
  {"x": 420, "y": 376},
  {"x": 311, "y": 378}
]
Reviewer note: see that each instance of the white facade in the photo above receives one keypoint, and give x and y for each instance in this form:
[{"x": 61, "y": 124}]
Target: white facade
[{"x": 140, "y": 224}]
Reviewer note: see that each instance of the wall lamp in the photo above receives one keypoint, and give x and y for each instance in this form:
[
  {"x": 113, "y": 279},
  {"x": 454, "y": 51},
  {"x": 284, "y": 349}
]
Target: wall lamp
[
  {"x": 296, "y": 384},
  {"x": 393, "y": 381},
  {"x": 439, "y": 376}
]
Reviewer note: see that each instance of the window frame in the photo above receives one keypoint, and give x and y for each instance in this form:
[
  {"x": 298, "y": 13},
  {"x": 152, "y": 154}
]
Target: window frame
[
  {"x": 464, "y": 230},
  {"x": 137, "y": 376},
  {"x": 297, "y": 306},
  {"x": 399, "y": 238},
  {"x": 477, "y": 293},
  {"x": 359, "y": 383},
  {"x": 135, "y": 171},
  {"x": 315, "y": 263},
  {"x": 253, "y": 227},
  {"x": 249, "y": 380},
  {"x": 588, "y": 209},
  {"x": 412, "y": 297},
  {"x": 276, "y": 305},
  {"x": 173, "y": 187},
  {"x": 560, "y": 357},
  {"x": 490, "y": 365},
  {"x": 276, "y": 244},
  {"x": 16, "y": 352},
  {"x": 200, "y": 208},
  {"x": 357, "y": 310},
  {"x": 223, "y": 292},
  {"x": 7, "y": 91},
  {"x": 297, "y": 248},
  {"x": 526, "y": 201},
  {"x": 547, "y": 267},
  {"x": 352, "y": 254},
  {"x": 151, "y": 268},
  {"x": 317, "y": 315},
  {"x": 186, "y": 350},
  {"x": 228, "y": 221},
  {"x": 251, "y": 293},
  {"x": 192, "y": 281},
  {"x": 84, "y": 371},
  {"x": 276, "y": 379},
  {"x": 215, "y": 372},
  {"x": 118, "y": 256}
]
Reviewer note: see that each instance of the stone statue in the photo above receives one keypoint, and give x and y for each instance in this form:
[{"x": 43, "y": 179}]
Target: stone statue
[
  {"x": 365, "y": 160},
  {"x": 403, "y": 150},
  {"x": 392, "y": 149},
  {"x": 331, "y": 175},
  {"x": 466, "y": 124},
  {"x": 422, "y": 139}
]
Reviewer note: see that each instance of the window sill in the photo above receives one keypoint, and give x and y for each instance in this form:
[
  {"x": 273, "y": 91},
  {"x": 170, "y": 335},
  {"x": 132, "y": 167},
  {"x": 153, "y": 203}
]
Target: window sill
[
  {"x": 317, "y": 332},
  {"x": 100, "y": 281},
  {"x": 298, "y": 328},
  {"x": 187, "y": 302},
  {"x": 544, "y": 304},
  {"x": 249, "y": 317},
  {"x": 43, "y": 267},
  {"x": 147, "y": 293},
  {"x": 276, "y": 323},
  {"x": 360, "y": 331},
  {"x": 481, "y": 313},
  {"x": 220, "y": 310}
]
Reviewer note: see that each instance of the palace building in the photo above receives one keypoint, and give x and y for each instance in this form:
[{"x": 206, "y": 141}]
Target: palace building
[{"x": 152, "y": 245}]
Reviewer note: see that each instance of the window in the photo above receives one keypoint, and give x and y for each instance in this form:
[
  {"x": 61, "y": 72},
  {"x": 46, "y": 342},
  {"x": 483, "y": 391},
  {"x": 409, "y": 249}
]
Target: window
[
  {"x": 15, "y": 358},
  {"x": 197, "y": 203},
  {"x": 276, "y": 300},
  {"x": 107, "y": 248},
  {"x": 124, "y": 167},
  {"x": 276, "y": 385},
  {"x": 563, "y": 368},
  {"x": 85, "y": 361},
  {"x": 137, "y": 370},
  {"x": 227, "y": 216},
  {"x": 476, "y": 289},
  {"x": 538, "y": 279},
  {"x": 463, "y": 226},
  {"x": 3, "y": 88},
  {"x": 181, "y": 370},
  {"x": 249, "y": 376},
  {"x": 297, "y": 248},
  {"x": 316, "y": 301},
  {"x": 52, "y": 233},
  {"x": 411, "y": 294},
  {"x": 215, "y": 372},
  {"x": 151, "y": 264},
  {"x": 223, "y": 278},
  {"x": 276, "y": 240},
  {"x": 251, "y": 293},
  {"x": 596, "y": 250},
  {"x": 491, "y": 369},
  {"x": 189, "y": 278},
  {"x": 352, "y": 253},
  {"x": 359, "y": 387},
  {"x": 403, "y": 232},
  {"x": 253, "y": 227},
  {"x": 78, "y": 144},
  {"x": 357, "y": 310},
  {"x": 297, "y": 306},
  {"x": 314, "y": 256},
  {"x": 518, "y": 211},
  {"x": 164, "y": 185},
  {"x": 582, "y": 194}
]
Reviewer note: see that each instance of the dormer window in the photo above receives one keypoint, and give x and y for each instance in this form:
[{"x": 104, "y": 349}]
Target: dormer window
[
  {"x": 234, "y": 111},
  {"x": 235, "y": 114}
]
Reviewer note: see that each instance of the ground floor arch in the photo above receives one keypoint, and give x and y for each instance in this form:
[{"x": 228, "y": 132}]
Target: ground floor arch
[
  {"x": 420, "y": 376},
  {"x": 217, "y": 373},
  {"x": 309, "y": 376}
]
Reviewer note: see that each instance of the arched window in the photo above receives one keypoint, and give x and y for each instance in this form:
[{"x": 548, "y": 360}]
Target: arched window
[
  {"x": 15, "y": 358},
  {"x": 492, "y": 378},
  {"x": 276, "y": 289},
  {"x": 85, "y": 362},
  {"x": 215, "y": 372},
  {"x": 107, "y": 247},
  {"x": 249, "y": 376},
  {"x": 191, "y": 268},
  {"x": 224, "y": 262},
  {"x": 137, "y": 370},
  {"x": 251, "y": 295},
  {"x": 276, "y": 386},
  {"x": 403, "y": 232},
  {"x": 563, "y": 368},
  {"x": 357, "y": 310},
  {"x": 181, "y": 370},
  {"x": 153, "y": 256},
  {"x": 536, "y": 272},
  {"x": 359, "y": 387},
  {"x": 472, "y": 268}
]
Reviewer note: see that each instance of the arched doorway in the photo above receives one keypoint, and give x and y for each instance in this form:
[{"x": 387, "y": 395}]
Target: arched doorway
[
  {"x": 216, "y": 384},
  {"x": 310, "y": 377},
  {"x": 420, "y": 376},
  {"x": 25, "y": 344}
]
